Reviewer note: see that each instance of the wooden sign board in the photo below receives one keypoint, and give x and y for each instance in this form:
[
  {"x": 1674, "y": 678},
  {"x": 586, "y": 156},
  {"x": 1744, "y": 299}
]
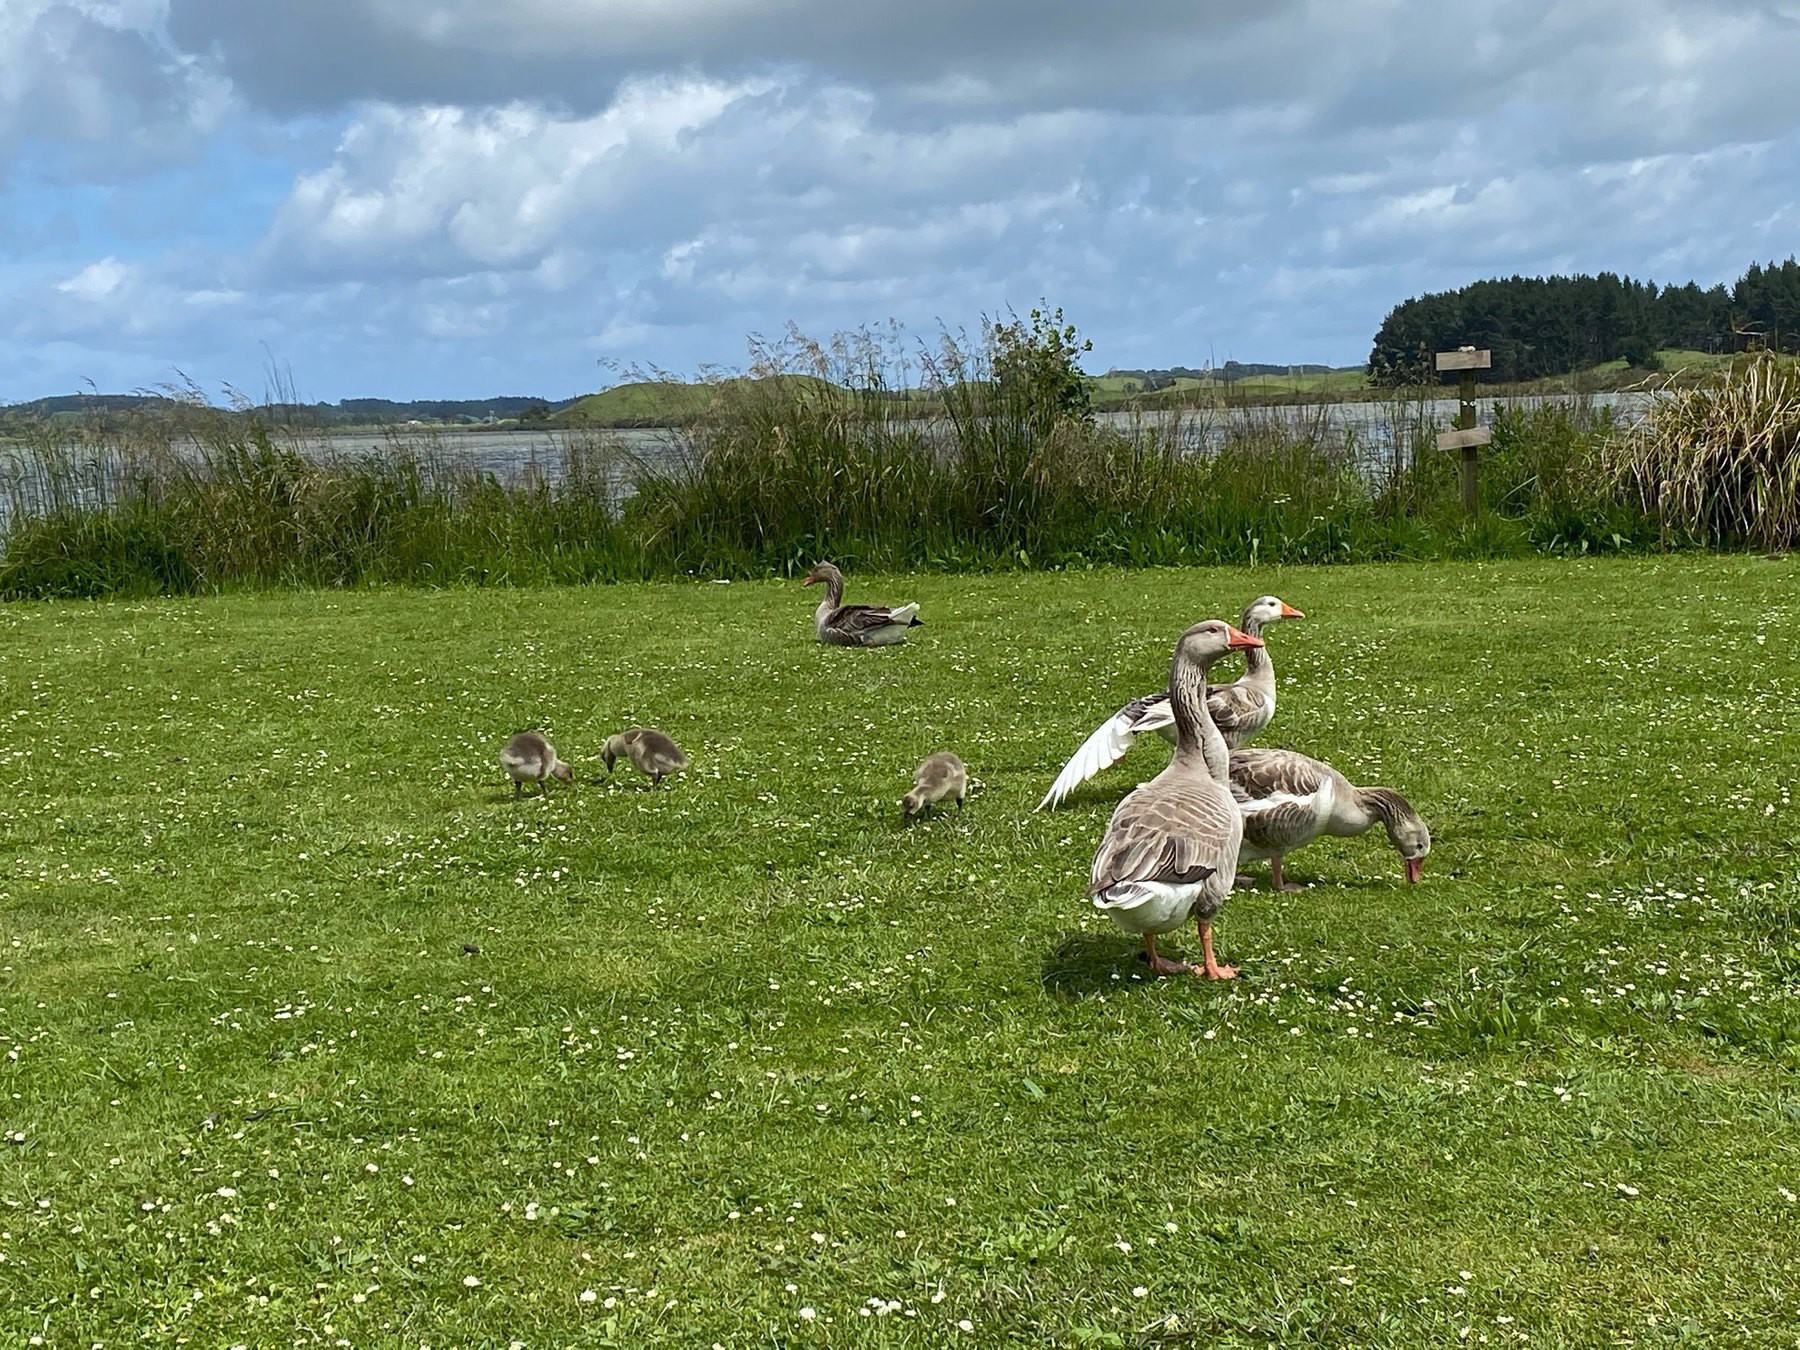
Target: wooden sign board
[
  {"x": 1470, "y": 360},
  {"x": 1465, "y": 440}
]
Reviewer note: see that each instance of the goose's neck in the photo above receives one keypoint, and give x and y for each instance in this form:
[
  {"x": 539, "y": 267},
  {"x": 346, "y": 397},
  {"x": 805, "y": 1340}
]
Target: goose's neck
[
  {"x": 1259, "y": 671},
  {"x": 1197, "y": 740},
  {"x": 834, "y": 593},
  {"x": 1367, "y": 807}
]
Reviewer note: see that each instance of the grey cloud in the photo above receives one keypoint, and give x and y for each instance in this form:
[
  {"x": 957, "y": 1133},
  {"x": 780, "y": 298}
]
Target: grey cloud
[
  {"x": 1684, "y": 67},
  {"x": 308, "y": 54}
]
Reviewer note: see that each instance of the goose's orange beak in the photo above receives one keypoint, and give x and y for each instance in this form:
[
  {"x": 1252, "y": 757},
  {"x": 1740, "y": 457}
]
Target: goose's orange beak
[
  {"x": 1239, "y": 640},
  {"x": 1289, "y": 612},
  {"x": 809, "y": 581},
  {"x": 1414, "y": 866}
]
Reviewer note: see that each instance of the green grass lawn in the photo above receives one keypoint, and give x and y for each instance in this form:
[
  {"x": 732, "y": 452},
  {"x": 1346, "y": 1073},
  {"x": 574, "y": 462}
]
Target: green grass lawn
[{"x": 310, "y": 1035}]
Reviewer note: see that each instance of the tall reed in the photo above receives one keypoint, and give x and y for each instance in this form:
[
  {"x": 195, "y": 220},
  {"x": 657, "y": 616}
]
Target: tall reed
[
  {"x": 224, "y": 502},
  {"x": 1718, "y": 463}
]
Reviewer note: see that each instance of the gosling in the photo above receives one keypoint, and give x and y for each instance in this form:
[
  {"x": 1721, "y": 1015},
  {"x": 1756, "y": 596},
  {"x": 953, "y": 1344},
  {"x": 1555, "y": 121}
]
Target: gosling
[
  {"x": 941, "y": 775},
  {"x": 528, "y": 757},
  {"x": 649, "y": 749}
]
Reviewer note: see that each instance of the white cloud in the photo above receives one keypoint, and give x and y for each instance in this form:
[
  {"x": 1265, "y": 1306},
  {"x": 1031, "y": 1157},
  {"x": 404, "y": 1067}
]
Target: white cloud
[
  {"x": 96, "y": 281},
  {"x": 93, "y": 82}
]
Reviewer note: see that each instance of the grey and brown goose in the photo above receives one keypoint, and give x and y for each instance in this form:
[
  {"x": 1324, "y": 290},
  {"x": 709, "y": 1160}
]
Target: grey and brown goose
[
  {"x": 1170, "y": 850},
  {"x": 841, "y": 625},
  {"x": 941, "y": 775},
  {"x": 1288, "y": 800},
  {"x": 1240, "y": 709},
  {"x": 650, "y": 750},
  {"x": 529, "y": 758}
]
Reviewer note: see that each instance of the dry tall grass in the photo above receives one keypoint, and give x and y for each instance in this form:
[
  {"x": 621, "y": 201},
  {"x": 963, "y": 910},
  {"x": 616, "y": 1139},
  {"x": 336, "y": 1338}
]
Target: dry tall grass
[{"x": 1719, "y": 463}]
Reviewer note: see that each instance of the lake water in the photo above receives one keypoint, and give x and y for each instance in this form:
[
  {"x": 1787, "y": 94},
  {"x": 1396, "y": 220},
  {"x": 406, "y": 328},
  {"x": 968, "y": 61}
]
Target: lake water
[
  {"x": 520, "y": 457},
  {"x": 516, "y": 456}
]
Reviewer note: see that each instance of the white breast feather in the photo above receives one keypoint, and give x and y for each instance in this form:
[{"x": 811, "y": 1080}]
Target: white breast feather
[{"x": 1149, "y": 906}]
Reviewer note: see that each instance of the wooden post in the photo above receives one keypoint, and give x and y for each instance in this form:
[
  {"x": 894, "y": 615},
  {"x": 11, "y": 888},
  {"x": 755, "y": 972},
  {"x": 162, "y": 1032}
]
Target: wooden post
[{"x": 1467, "y": 437}]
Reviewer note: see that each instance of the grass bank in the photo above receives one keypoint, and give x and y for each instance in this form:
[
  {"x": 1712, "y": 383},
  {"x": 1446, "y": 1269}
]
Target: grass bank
[{"x": 311, "y": 1033}]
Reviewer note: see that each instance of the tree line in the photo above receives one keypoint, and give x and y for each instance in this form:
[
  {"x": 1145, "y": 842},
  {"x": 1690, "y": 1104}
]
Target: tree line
[{"x": 1538, "y": 326}]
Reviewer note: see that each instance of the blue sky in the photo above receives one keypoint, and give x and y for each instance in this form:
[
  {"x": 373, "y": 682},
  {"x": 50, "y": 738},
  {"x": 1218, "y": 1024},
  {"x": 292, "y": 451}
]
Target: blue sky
[{"x": 457, "y": 198}]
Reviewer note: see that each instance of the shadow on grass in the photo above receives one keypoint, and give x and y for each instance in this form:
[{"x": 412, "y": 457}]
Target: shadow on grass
[
  {"x": 1085, "y": 964},
  {"x": 1091, "y": 794}
]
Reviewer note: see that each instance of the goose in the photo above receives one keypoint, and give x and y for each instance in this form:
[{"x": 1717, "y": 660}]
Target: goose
[
  {"x": 1171, "y": 848},
  {"x": 1240, "y": 710},
  {"x": 941, "y": 775},
  {"x": 842, "y": 625},
  {"x": 528, "y": 757},
  {"x": 649, "y": 749},
  {"x": 1288, "y": 800}
]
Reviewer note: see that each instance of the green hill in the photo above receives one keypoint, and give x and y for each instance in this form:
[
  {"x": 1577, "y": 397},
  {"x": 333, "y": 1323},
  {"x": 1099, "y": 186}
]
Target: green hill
[
  {"x": 649, "y": 403},
  {"x": 654, "y": 403}
]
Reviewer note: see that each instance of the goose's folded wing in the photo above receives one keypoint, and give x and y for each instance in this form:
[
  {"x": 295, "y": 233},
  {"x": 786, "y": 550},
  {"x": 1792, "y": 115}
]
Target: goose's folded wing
[
  {"x": 1165, "y": 835},
  {"x": 1105, "y": 748},
  {"x": 1277, "y": 793},
  {"x": 860, "y": 620},
  {"x": 661, "y": 752},
  {"x": 1238, "y": 711},
  {"x": 1262, "y": 773}
]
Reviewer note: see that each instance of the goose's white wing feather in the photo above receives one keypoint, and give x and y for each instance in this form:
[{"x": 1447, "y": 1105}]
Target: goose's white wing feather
[{"x": 1105, "y": 748}]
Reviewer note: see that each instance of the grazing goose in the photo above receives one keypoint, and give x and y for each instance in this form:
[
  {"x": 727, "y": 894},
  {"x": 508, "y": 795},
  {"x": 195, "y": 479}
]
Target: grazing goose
[
  {"x": 1171, "y": 847},
  {"x": 649, "y": 749},
  {"x": 941, "y": 775},
  {"x": 842, "y": 625},
  {"x": 529, "y": 758},
  {"x": 1240, "y": 710},
  {"x": 1288, "y": 800}
]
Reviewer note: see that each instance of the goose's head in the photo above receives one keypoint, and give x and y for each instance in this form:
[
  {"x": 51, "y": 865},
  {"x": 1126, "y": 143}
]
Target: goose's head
[
  {"x": 911, "y": 804},
  {"x": 823, "y": 573},
  {"x": 1207, "y": 641},
  {"x": 1411, "y": 839},
  {"x": 1265, "y": 610},
  {"x": 610, "y": 752},
  {"x": 564, "y": 770}
]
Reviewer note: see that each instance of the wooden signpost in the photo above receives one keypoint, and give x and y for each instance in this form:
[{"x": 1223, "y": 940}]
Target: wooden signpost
[{"x": 1467, "y": 437}]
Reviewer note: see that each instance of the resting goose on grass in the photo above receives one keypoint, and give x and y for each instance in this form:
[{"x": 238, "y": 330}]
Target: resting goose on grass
[
  {"x": 842, "y": 625},
  {"x": 1288, "y": 800},
  {"x": 529, "y": 758},
  {"x": 1240, "y": 709},
  {"x": 1171, "y": 848}
]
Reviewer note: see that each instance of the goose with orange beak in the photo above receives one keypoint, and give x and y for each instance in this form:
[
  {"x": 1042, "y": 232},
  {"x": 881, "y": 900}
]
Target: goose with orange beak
[
  {"x": 841, "y": 625},
  {"x": 1240, "y": 710},
  {"x": 1288, "y": 800},
  {"x": 1170, "y": 851}
]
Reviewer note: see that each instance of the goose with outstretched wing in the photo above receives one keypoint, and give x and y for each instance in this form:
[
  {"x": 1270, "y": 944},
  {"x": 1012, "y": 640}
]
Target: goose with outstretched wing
[{"x": 1239, "y": 710}]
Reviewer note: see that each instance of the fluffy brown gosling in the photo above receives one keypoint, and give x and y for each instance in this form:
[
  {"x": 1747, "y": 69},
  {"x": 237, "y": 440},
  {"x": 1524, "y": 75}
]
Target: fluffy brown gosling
[
  {"x": 647, "y": 748},
  {"x": 941, "y": 775},
  {"x": 529, "y": 758}
]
